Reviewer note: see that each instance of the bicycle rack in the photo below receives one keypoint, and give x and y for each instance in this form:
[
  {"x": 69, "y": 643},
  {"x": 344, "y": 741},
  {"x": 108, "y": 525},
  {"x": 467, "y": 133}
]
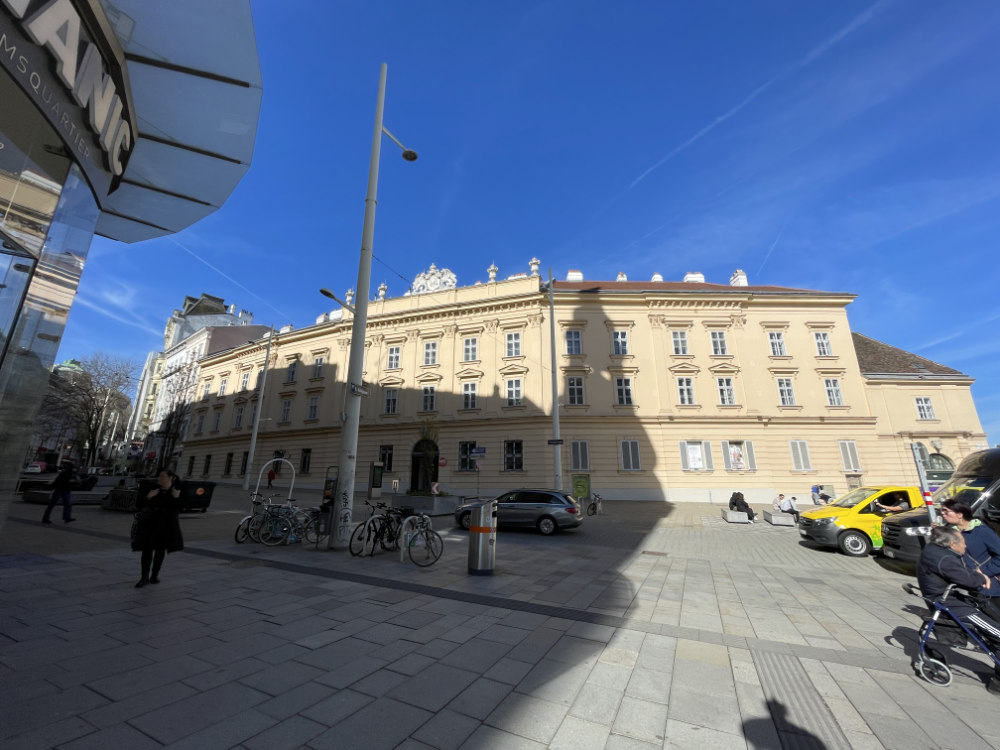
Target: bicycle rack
[
  {"x": 263, "y": 472},
  {"x": 403, "y": 547}
]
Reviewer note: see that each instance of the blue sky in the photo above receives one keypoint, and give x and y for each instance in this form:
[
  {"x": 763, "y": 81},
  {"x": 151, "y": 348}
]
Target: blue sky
[{"x": 846, "y": 146}]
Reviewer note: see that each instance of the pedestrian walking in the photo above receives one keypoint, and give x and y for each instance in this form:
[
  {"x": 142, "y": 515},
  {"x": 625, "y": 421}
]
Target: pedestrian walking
[
  {"x": 270, "y": 477},
  {"x": 61, "y": 491},
  {"x": 158, "y": 528}
]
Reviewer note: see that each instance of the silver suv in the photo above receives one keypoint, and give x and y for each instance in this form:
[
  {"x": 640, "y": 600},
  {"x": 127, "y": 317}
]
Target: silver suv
[{"x": 545, "y": 510}]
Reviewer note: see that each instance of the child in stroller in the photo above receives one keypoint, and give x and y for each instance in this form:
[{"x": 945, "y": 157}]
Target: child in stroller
[{"x": 940, "y": 571}]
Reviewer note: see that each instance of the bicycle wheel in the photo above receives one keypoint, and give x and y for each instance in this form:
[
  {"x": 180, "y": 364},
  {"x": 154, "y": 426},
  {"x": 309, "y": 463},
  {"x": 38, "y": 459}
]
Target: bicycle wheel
[
  {"x": 243, "y": 530},
  {"x": 360, "y": 539},
  {"x": 425, "y": 547},
  {"x": 253, "y": 528},
  {"x": 274, "y": 531},
  {"x": 592, "y": 508},
  {"x": 316, "y": 530}
]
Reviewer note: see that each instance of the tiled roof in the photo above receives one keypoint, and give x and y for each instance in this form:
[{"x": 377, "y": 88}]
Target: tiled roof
[{"x": 874, "y": 357}]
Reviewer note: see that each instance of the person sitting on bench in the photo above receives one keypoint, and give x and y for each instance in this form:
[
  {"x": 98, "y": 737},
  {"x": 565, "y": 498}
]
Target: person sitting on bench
[{"x": 737, "y": 503}]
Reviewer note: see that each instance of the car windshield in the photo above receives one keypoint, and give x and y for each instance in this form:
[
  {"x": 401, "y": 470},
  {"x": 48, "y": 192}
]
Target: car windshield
[
  {"x": 854, "y": 497},
  {"x": 963, "y": 489}
]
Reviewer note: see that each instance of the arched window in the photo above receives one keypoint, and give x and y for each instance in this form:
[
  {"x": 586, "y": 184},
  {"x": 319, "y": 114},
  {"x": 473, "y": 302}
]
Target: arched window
[{"x": 939, "y": 462}]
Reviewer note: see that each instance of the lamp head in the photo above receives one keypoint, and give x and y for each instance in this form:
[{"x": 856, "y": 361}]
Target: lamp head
[
  {"x": 409, "y": 155},
  {"x": 327, "y": 293}
]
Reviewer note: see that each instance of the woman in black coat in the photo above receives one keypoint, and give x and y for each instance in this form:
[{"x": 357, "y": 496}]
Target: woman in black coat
[
  {"x": 159, "y": 530},
  {"x": 737, "y": 502}
]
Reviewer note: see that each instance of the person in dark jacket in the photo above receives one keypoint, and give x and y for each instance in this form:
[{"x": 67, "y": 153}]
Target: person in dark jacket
[
  {"x": 737, "y": 502},
  {"x": 61, "y": 487},
  {"x": 159, "y": 529},
  {"x": 941, "y": 563},
  {"x": 982, "y": 549}
]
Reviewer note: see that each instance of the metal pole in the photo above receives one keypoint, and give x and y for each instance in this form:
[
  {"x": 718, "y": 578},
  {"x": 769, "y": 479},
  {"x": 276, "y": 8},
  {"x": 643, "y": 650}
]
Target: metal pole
[
  {"x": 256, "y": 415},
  {"x": 557, "y": 440},
  {"x": 340, "y": 537}
]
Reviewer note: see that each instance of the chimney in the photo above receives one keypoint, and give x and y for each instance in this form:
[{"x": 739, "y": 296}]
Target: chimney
[
  {"x": 657, "y": 277},
  {"x": 574, "y": 275},
  {"x": 739, "y": 278},
  {"x": 621, "y": 276},
  {"x": 694, "y": 277}
]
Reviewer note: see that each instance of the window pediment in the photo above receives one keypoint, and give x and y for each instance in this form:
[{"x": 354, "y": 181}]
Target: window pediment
[
  {"x": 724, "y": 368},
  {"x": 684, "y": 368},
  {"x": 577, "y": 369},
  {"x": 573, "y": 323},
  {"x": 391, "y": 381},
  {"x": 514, "y": 369},
  {"x": 469, "y": 373},
  {"x": 775, "y": 325},
  {"x": 831, "y": 371},
  {"x": 429, "y": 378},
  {"x": 783, "y": 370}
]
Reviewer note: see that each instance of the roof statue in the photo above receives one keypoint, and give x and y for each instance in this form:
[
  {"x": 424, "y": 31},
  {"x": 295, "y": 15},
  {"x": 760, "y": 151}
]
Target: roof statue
[{"x": 434, "y": 279}]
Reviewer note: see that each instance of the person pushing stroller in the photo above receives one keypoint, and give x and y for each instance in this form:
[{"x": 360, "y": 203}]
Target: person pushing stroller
[{"x": 941, "y": 565}]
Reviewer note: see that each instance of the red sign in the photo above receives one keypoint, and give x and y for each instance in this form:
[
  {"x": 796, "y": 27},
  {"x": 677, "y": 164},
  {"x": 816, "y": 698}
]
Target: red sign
[{"x": 442, "y": 462}]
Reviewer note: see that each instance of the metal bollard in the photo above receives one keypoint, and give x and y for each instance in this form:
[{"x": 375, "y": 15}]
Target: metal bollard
[{"x": 482, "y": 538}]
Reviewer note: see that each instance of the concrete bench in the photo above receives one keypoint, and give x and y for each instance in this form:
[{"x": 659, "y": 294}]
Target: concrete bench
[
  {"x": 734, "y": 516},
  {"x": 776, "y": 518}
]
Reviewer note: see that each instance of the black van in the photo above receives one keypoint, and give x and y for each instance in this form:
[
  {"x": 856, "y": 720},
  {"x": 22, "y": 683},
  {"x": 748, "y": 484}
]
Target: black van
[{"x": 976, "y": 482}]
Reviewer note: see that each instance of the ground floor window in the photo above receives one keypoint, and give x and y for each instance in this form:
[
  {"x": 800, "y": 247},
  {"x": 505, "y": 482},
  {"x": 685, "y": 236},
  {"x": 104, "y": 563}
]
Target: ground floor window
[
  {"x": 800, "y": 455},
  {"x": 305, "y": 460},
  {"x": 579, "y": 455},
  {"x": 466, "y": 460},
  {"x": 849, "y": 455},
  {"x": 513, "y": 455},
  {"x": 630, "y": 455},
  {"x": 385, "y": 457},
  {"x": 207, "y": 466},
  {"x": 229, "y": 464},
  {"x": 190, "y": 470},
  {"x": 738, "y": 455},
  {"x": 243, "y": 462},
  {"x": 696, "y": 455}
]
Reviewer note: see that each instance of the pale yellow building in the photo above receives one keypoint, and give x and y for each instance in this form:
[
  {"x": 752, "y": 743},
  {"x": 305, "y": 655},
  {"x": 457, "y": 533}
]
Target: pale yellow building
[{"x": 676, "y": 391}]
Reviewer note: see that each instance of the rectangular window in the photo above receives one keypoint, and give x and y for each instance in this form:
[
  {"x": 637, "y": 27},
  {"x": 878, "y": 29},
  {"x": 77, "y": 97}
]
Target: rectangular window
[
  {"x": 290, "y": 374},
  {"x": 207, "y": 465},
  {"x": 680, "y": 341},
  {"x": 201, "y": 424},
  {"x": 719, "y": 345},
  {"x": 737, "y": 455},
  {"x": 217, "y": 422},
  {"x": 392, "y": 361},
  {"x": 574, "y": 390},
  {"x": 513, "y": 455},
  {"x": 777, "y": 339},
  {"x": 427, "y": 402},
  {"x": 243, "y": 462},
  {"x": 430, "y": 353},
  {"x": 208, "y": 390},
  {"x": 245, "y": 380},
  {"x": 260, "y": 377},
  {"x": 190, "y": 470},
  {"x": 727, "y": 396},
  {"x": 623, "y": 391},
  {"x": 385, "y": 457},
  {"x": 786, "y": 394},
  {"x": 579, "y": 455},
  {"x": 685, "y": 391},
  {"x": 619, "y": 340},
  {"x": 466, "y": 461},
  {"x": 833, "y": 395},
  {"x": 823, "y": 348},
  {"x": 470, "y": 349},
  {"x": 925, "y": 409},
  {"x": 238, "y": 417},
  {"x": 574, "y": 342},
  {"x": 391, "y": 400},
  {"x": 849, "y": 455},
  {"x": 630, "y": 455},
  {"x": 253, "y": 415},
  {"x": 286, "y": 410},
  {"x": 305, "y": 460},
  {"x": 696, "y": 455},
  {"x": 800, "y": 455},
  {"x": 514, "y": 392},
  {"x": 318, "y": 367},
  {"x": 313, "y": 412},
  {"x": 513, "y": 344},
  {"x": 222, "y": 386},
  {"x": 469, "y": 400},
  {"x": 229, "y": 464}
]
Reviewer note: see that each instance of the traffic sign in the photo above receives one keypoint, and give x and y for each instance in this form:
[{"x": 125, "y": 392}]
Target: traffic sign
[
  {"x": 358, "y": 390},
  {"x": 477, "y": 451},
  {"x": 555, "y": 442},
  {"x": 435, "y": 488}
]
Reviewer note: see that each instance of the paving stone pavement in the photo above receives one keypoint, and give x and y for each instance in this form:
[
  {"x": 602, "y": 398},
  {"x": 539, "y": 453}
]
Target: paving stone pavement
[{"x": 652, "y": 626}]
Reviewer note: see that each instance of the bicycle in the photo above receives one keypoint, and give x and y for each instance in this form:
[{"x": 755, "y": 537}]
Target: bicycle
[
  {"x": 249, "y": 526},
  {"x": 378, "y": 530},
  {"x": 424, "y": 545},
  {"x": 596, "y": 505}
]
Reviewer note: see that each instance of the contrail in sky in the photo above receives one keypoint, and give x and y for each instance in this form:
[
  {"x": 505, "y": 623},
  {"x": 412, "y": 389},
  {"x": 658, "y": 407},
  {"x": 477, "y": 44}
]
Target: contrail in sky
[
  {"x": 771, "y": 249},
  {"x": 230, "y": 279},
  {"x": 811, "y": 57}
]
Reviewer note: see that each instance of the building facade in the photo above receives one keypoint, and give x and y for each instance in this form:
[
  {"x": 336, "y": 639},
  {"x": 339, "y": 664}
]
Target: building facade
[
  {"x": 114, "y": 120},
  {"x": 670, "y": 391}
]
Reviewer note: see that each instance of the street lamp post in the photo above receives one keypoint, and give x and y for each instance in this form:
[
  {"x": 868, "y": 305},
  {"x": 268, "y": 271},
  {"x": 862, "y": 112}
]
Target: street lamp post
[
  {"x": 256, "y": 414},
  {"x": 342, "y": 507}
]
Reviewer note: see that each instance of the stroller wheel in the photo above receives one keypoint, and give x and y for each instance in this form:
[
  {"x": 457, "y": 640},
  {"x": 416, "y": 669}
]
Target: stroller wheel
[{"x": 934, "y": 671}]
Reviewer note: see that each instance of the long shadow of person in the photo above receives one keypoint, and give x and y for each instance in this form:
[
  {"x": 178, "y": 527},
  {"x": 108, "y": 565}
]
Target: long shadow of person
[{"x": 778, "y": 733}]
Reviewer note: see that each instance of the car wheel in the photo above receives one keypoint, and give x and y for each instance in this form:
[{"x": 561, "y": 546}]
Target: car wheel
[
  {"x": 854, "y": 543},
  {"x": 547, "y": 525},
  {"x": 465, "y": 521}
]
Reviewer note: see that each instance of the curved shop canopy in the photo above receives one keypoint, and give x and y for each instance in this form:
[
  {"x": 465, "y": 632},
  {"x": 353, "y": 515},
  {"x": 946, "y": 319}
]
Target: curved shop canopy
[{"x": 196, "y": 90}]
